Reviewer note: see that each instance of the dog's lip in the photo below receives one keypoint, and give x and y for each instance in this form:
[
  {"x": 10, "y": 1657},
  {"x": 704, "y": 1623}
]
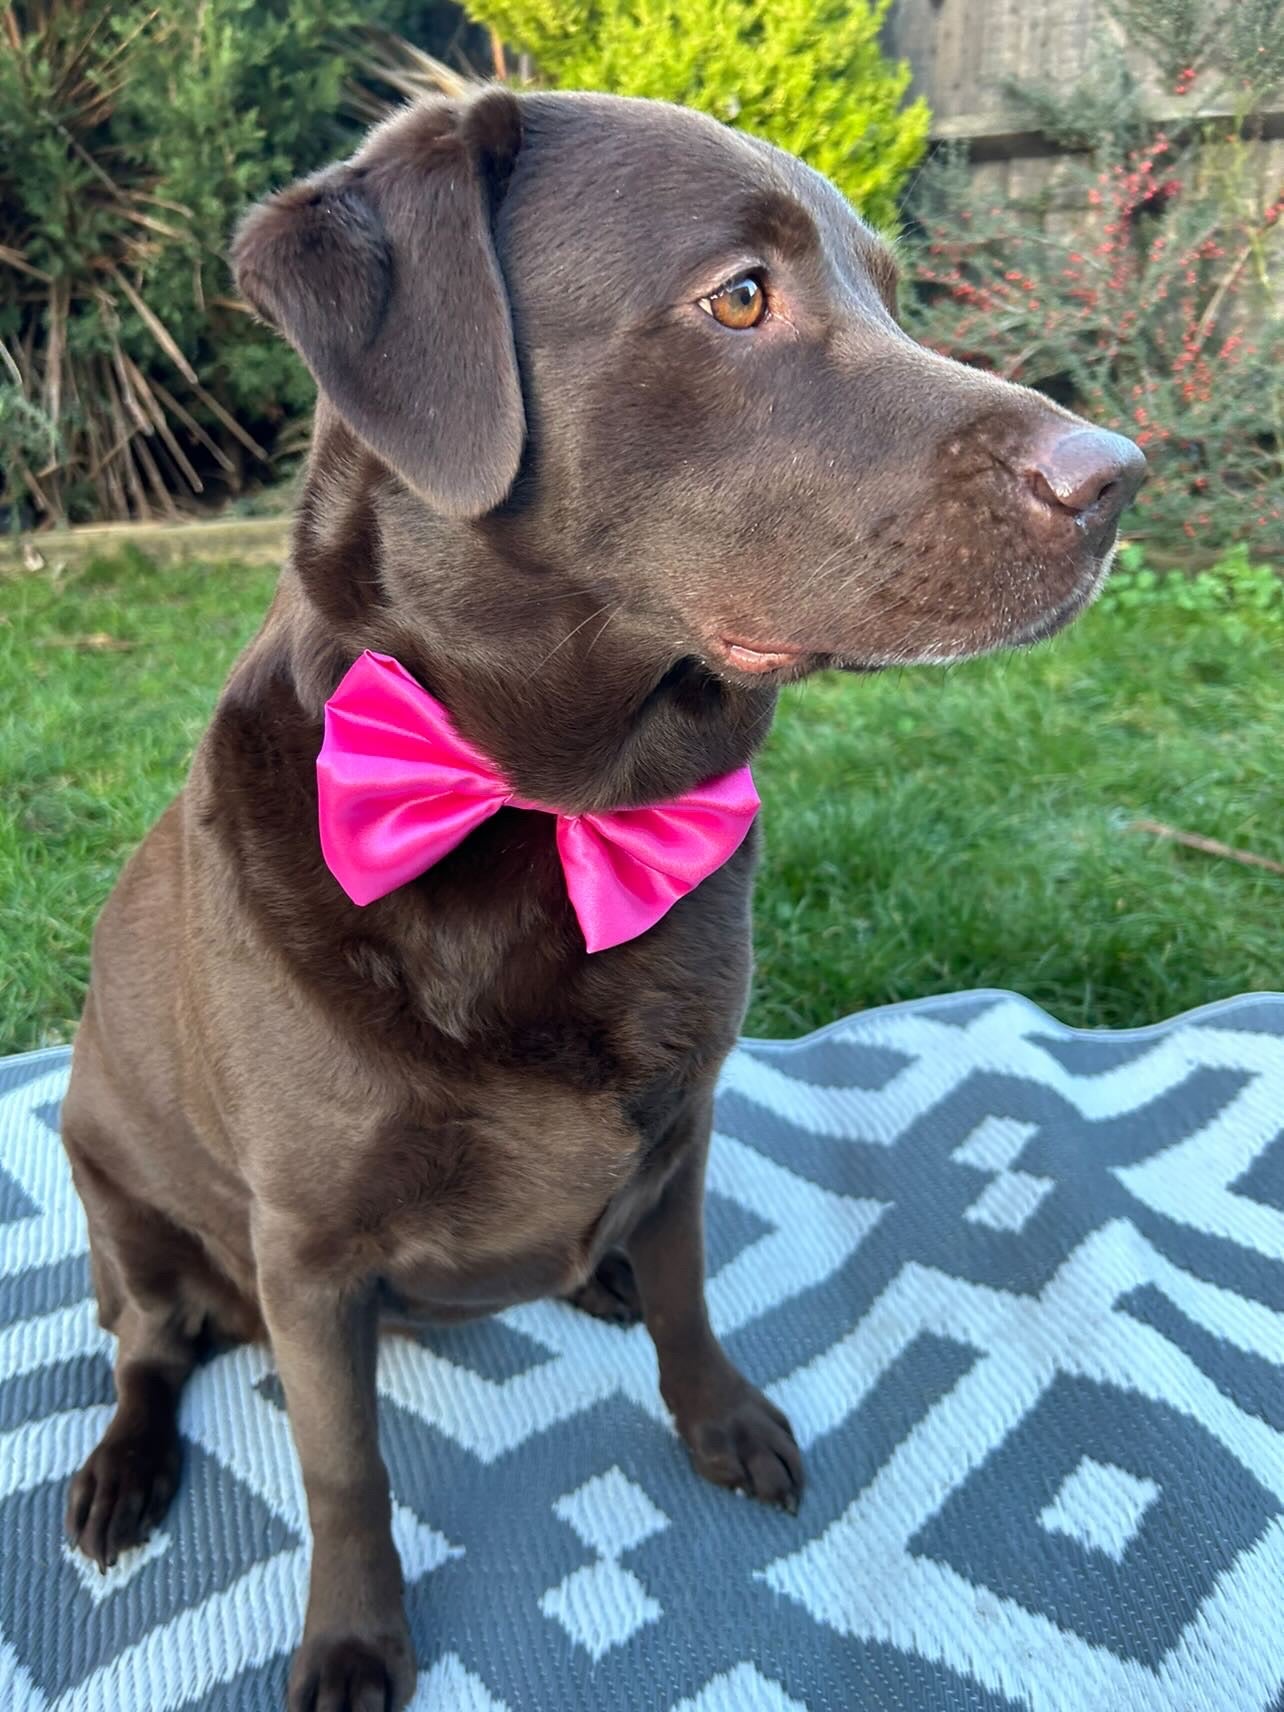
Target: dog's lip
[{"x": 756, "y": 656}]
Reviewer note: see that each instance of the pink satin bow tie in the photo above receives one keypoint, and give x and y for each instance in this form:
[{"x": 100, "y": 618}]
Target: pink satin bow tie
[{"x": 398, "y": 788}]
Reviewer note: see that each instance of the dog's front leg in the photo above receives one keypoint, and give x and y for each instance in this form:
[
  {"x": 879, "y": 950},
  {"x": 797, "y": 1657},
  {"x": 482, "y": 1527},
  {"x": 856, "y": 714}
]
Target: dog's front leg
[
  {"x": 736, "y": 1437},
  {"x": 356, "y": 1654}
]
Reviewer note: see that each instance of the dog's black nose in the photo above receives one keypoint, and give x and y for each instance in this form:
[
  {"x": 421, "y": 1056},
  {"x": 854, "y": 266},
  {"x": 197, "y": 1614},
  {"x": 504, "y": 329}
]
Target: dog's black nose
[{"x": 1087, "y": 473}]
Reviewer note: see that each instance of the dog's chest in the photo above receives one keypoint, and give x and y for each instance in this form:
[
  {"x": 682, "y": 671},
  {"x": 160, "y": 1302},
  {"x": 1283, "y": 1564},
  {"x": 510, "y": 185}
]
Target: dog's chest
[
  {"x": 518, "y": 1197},
  {"x": 526, "y": 1123}
]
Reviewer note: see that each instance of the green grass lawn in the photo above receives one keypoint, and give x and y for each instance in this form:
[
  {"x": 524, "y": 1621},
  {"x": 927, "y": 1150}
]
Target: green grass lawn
[{"x": 926, "y": 830}]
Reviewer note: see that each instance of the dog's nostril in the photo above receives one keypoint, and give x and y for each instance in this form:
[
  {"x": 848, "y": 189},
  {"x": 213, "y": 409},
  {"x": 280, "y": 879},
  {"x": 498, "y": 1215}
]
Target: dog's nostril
[
  {"x": 1042, "y": 489},
  {"x": 1087, "y": 469}
]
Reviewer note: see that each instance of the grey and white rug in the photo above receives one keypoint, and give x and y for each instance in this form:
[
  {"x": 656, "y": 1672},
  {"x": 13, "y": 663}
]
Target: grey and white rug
[{"x": 1021, "y": 1290}]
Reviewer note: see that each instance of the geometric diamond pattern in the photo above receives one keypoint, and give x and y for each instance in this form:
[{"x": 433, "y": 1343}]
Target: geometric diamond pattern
[
  {"x": 1101, "y": 1506},
  {"x": 1011, "y": 1197},
  {"x": 1009, "y": 1201},
  {"x": 603, "y": 1604},
  {"x": 1020, "y": 1289},
  {"x": 741, "y": 1690},
  {"x": 994, "y": 1145},
  {"x": 611, "y": 1513}
]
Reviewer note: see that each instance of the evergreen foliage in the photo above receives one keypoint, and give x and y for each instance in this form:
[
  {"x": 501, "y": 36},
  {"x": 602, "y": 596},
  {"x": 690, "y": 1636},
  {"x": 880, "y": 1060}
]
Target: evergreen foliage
[
  {"x": 131, "y": 137},
  {"x": 808, "y": 75}
]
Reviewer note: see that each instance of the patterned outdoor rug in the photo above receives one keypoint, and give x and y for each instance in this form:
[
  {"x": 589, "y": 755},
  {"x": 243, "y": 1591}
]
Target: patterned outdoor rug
[{"x": 1021, "y": 1290}]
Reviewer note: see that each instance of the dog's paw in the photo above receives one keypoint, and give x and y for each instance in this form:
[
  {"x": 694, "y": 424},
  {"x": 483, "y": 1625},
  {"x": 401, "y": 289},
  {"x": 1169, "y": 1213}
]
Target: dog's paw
[
  {"x": 748, "y": 1445},
  {"x": 352, "y": 1673},
  {"x": 611, "y": 1293},
  {"x": 121, "y": 1493}
]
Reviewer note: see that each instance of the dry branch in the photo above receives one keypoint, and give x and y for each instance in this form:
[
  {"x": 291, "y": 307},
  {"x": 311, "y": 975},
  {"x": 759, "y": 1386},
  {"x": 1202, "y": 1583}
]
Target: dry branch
[{"x": 1209, "y": 846}]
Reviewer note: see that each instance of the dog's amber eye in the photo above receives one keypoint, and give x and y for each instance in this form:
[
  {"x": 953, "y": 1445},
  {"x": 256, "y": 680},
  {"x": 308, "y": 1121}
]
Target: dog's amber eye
[{"x": 739, "y": 304}]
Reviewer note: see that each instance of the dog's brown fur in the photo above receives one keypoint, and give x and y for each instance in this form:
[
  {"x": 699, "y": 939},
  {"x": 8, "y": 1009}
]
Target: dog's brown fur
[{"x": 550, "y": 484}]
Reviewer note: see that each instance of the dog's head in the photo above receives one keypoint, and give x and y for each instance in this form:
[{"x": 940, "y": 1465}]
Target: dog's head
[{"x": 617, "y": 338}]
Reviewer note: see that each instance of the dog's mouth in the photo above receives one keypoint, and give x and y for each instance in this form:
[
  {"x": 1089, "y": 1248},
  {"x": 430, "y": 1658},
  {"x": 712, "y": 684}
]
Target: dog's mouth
[
  {"x": 742, "y": 656},
  {"x": 759, "y": 657},
  {"x": 777, "y": 662}
]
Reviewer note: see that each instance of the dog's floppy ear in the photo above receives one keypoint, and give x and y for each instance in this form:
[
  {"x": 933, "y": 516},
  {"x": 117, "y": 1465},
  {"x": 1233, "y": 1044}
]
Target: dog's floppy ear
[{"x": 382, "y": 274}]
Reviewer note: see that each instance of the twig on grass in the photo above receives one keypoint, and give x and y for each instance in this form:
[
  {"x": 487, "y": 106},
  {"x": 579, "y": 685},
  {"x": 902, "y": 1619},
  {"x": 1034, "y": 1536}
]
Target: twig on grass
[
  {"x": 1210, "y": 846},
  {"x": 98, "y": 643}
]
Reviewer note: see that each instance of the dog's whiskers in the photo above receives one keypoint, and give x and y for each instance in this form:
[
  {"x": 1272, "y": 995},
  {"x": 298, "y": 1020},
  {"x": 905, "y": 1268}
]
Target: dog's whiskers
[
  {"x": 817, "y": 572},
  {"x": 605, "y": 625},
  {"x": 609, "y": 608}
]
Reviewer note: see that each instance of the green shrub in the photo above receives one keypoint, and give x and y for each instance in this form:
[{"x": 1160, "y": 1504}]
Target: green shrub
[
  {"x": 131, "y": 137},
  {"x": 232, "y": 99},
  {"x": 1245, "y": 599},
  {"x": 1151, "y": 307},
  {"x": 808, "y": 75}
]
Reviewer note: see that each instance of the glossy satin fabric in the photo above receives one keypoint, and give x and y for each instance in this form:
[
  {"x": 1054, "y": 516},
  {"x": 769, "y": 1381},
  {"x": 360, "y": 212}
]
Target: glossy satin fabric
[{"x": 398, "y": 787}]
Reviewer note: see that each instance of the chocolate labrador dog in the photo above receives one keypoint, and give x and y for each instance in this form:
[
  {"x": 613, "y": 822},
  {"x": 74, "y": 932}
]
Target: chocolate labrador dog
[{"x": 616, "y": 433}]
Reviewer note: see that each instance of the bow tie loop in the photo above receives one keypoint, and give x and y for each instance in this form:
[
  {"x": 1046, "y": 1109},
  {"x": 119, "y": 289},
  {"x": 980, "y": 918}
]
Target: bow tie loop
[{"x": 399, "y": 787}]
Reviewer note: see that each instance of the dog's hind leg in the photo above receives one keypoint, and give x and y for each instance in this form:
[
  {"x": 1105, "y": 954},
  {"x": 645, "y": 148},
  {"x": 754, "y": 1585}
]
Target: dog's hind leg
[
  {"x": 158, "y": 1292},
  {"x": 611, "y": 1293},
  {"x": 125, "y": 1487}
]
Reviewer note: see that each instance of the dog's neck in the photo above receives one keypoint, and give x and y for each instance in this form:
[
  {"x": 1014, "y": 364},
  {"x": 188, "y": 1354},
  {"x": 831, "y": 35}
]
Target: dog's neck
[{"x": 543, "y": 670}]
